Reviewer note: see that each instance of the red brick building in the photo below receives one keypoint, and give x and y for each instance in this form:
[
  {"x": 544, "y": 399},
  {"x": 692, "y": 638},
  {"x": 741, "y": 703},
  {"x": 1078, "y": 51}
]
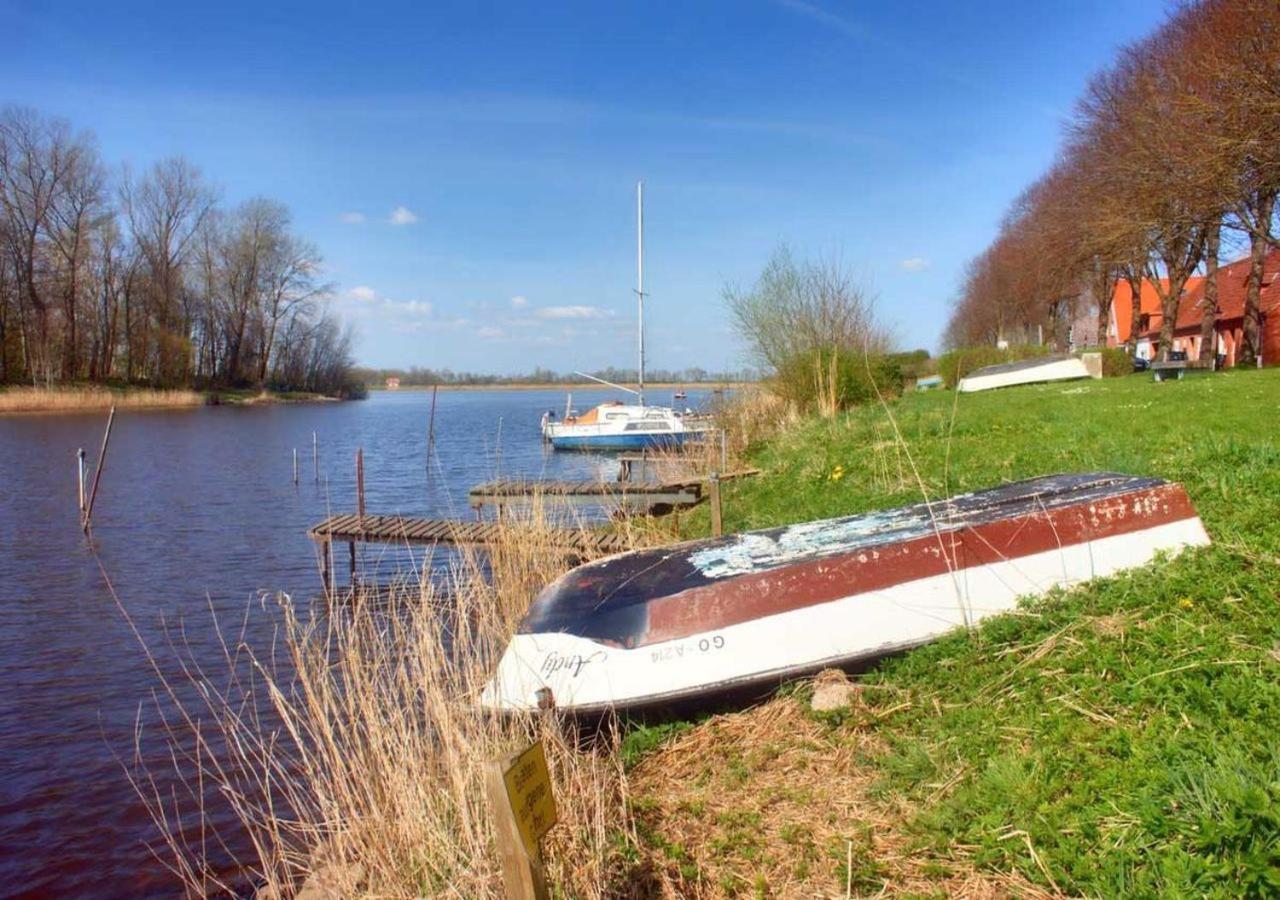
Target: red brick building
[{"x": 1186, "y": 333}]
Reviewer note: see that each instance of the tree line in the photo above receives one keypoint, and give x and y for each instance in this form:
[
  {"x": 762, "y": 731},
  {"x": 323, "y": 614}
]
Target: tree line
[
  {"x": 417, "y": 376},
  {"x": 143, "y": 278},
  {"x": 1171, "y": 153}
]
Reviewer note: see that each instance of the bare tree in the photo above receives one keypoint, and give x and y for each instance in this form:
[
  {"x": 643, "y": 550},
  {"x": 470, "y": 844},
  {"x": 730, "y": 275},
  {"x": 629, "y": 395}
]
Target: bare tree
[
  {"x": 165, "y": 209},
  {"x": 797, "y": 307}
]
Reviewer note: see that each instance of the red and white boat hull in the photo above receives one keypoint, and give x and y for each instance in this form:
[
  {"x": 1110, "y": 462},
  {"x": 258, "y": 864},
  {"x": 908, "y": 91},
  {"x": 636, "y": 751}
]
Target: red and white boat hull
[{"x": 663, "y": 626}]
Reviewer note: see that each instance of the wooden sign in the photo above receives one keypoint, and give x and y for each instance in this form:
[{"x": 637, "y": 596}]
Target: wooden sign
[
  {"x": 524, "y": 809},
  {"x": 529, "y": 790}
]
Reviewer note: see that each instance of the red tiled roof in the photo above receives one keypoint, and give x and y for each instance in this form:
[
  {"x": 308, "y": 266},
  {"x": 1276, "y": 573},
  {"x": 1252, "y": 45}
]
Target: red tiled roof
[{"x": 1231, "y": 289}]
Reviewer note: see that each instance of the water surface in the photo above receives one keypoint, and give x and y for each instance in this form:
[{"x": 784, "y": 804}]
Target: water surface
[{"x": 197, "y": 514}]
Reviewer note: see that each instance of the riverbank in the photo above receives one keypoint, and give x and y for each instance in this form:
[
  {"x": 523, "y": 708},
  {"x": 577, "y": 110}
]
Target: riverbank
[
  {"x": 79, "y": 398},
  {"x": 1113, "y": 739}
]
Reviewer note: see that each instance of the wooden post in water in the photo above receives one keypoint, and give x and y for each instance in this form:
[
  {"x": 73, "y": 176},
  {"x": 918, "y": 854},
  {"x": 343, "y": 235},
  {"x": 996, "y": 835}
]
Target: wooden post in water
[
  {"x": 326, "y": 567},
  {"x": 97, "y": 472},
  {"x": 80, "y": 477},
  {"x": 360, "y": 484},
  {"x": 431, "y": 431},
  {"x": 713, "y": 494},
  {"x": 295, "y": 466},
  {"x": 315, "y": 457}
]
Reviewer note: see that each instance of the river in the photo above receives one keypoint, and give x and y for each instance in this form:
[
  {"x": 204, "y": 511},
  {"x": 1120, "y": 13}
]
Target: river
[{"x": 197, "y": 514}]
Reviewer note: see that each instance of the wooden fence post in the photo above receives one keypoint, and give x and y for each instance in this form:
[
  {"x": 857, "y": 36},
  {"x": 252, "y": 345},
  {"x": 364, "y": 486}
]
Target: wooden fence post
[{"x": 713, "y": 492}]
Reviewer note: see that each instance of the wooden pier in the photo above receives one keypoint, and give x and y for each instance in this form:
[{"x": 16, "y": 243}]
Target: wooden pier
[
  {"x": 630, "y": 497},
  {"x": 353, "y": 529}
]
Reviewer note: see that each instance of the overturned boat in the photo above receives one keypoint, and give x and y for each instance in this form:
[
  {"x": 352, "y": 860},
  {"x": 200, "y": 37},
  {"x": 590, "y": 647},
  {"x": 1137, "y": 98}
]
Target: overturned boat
[
  {"x": 666, "y": 626},
  {"x": 1024, "y": 371}
]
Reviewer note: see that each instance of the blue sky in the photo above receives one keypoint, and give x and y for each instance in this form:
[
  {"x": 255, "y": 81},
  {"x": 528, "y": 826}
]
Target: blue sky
[{"x": 468, "y": 169}]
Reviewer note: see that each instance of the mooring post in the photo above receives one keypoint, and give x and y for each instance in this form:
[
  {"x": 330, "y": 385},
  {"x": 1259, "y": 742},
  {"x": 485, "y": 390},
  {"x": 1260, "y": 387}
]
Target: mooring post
[
  {"x": 352, "y": 547},
  {"x": 713, "y": 493},
  {"x": 431, "y": 431},
  {"x": 295, "y": 466},
  {"x": 315, "y": 457},
  {"x": 97, "y": 472},
  {"x": 360, "y": 485},
  {"x": 326, "y": 566},
  {"x": 80, "y": 477}
]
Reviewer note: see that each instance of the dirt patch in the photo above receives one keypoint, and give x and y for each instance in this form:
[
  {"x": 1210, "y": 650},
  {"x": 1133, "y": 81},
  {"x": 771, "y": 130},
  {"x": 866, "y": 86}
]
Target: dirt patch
[{"x": 778, "y": 802}]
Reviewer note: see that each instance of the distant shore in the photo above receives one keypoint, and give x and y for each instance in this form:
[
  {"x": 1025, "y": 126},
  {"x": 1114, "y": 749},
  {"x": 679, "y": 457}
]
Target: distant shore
[
  {"x": 20, "y": 400},
  {"x": 553, "y": 386}
]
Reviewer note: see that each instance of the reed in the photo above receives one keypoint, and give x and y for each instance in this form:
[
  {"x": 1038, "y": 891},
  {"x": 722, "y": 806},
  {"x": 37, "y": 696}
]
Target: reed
[
  {"x": 753, "y": 415},
  {"x": 354, "y": 760},
  {"x": 76, "y": 399}
]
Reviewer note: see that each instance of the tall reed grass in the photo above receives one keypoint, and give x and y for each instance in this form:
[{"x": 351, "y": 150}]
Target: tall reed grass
[
  {"x": 73, "y": 399},
  {"x": 352, "y": 754}
]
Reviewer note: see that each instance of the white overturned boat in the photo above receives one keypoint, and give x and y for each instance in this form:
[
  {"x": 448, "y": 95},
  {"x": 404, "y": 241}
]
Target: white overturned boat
[
  {"x": 690, "y": 622},
  {"x": 1024, "y": 371}
]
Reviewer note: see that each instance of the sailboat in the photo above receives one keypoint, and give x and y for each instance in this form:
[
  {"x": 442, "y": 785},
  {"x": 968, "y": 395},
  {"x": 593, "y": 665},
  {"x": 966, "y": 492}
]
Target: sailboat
[{"x": 624, "y": 426}]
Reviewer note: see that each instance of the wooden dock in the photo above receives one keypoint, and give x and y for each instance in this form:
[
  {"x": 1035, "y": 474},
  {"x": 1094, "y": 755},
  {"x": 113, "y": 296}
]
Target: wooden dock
[
  {"x": 644, "y": 497},
  {"x": 630, "y": 497},
  {"x": 353, "y": 529}
]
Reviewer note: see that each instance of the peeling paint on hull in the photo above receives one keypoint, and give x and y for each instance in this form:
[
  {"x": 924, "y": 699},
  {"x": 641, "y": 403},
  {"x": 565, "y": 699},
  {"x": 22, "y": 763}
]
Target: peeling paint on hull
[{"x": 651, "y": 626}]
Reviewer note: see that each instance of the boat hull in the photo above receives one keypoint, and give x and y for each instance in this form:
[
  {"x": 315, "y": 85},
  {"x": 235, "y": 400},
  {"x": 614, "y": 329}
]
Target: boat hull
[
  {"x": 1027, "y": 371},
  {"x": 664, "y": 627},
  {"x": 603, "y": 442}
]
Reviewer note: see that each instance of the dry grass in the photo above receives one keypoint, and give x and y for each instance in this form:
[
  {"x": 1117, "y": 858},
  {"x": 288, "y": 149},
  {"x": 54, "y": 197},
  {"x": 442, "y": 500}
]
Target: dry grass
[
  {"x": 777, "y": 801},
  {"x": 752, "y": 416},
  {"x": 356, "y": 758},
  {"x": 76, "y": 399}
]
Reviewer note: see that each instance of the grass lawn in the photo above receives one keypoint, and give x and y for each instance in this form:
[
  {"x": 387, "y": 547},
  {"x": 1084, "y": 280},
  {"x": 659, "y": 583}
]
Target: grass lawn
[{"x": 1122, "y": 738}]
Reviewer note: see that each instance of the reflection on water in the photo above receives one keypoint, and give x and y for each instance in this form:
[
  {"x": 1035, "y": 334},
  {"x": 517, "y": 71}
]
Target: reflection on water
[{"x": 197, "y": 513}]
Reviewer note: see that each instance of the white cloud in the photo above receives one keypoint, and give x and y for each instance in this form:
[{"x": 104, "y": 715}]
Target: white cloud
[
  {"x": 402, "y": 215},
  {"x": 363, "y": 293},
  {"x": 914, "y": 264},
  {"x": 519, "y": 301},
  {"x": 352, "y": 218},
  {"x": 489, "y": 331},
  {"x": 415, "y": 307},
  {"x": 570, "y": 312}
]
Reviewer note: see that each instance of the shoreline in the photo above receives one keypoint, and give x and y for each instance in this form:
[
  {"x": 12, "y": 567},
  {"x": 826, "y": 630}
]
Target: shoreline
[
  {"x": 23, "y": 400},
  {"x": 551, "y": 386}
]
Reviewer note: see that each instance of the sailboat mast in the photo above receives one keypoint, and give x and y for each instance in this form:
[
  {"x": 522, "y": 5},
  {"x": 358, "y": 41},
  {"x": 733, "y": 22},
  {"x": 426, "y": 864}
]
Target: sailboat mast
[{"x": 640, "y": 280}]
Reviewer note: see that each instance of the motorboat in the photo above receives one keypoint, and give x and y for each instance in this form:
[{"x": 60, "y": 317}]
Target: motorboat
[{"x": 704, "y": 619}]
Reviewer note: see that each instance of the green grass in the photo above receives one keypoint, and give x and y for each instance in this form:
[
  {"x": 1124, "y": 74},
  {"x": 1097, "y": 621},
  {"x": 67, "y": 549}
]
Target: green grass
[{"x": 1120, "y": 738}]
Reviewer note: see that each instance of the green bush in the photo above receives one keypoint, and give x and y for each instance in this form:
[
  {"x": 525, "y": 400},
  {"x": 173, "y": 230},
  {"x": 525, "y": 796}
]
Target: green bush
[
  {"x": 805, "y": 377},
  {"x": 913, "y": 363},
  {"x": 955, "y": 364},
  {"x": 1116, "y": 361}
]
